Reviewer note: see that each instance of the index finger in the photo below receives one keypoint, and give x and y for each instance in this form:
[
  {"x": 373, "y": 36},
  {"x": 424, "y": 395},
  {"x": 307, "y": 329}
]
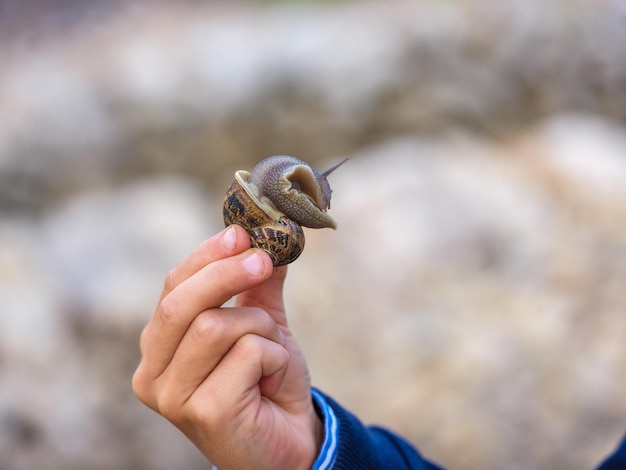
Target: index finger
[
  {"x": 230, "y": 241},
  {"x": 208, "y": 288}
]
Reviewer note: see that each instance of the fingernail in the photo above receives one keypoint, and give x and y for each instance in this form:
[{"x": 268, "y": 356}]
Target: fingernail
[
  {"x": 253, "y": 263},
  {"x": 229, "y": 239}
]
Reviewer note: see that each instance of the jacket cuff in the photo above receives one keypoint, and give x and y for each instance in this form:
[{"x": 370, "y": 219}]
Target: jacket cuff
[
  {"x": 348, "y": 444},
  {"x": 328, "y": 451}
]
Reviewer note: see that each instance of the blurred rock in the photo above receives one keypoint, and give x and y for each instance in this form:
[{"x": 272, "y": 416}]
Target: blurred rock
[
  {"x": 472, "y": 297},
  {"x": 76, "y": 287},
  {"x": 115, "y": 245},
  {"x": 198, "y": 88}
]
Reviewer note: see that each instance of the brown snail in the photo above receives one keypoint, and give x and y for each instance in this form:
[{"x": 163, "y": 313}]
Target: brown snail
[{"x": 273, "y": 201}]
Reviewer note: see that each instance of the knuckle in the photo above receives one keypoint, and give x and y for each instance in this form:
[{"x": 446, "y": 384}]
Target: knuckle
[
  {"x": 208, "y": 325},
  {"x": 248, "y": 346},
  {"x": 266, "y": 324},
  {"x": 141, "y": 386},
  {"x": 143, "y": 339},
  {"x": 206, "y": 411},
  {"x": 170, "y": 281},
  {"x": 167, "y": 406},
  {"x": 166, "y": 312},
  {"x": 170, "y": 399}
]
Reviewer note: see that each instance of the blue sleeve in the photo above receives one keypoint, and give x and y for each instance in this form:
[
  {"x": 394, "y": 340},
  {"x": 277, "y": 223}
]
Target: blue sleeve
[
  {"x": 617, "y": 461},
  {"x": 348, "y": 444}
]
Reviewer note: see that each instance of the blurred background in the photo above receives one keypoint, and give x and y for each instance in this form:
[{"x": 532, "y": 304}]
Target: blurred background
[{"x": 473, "y": 295}]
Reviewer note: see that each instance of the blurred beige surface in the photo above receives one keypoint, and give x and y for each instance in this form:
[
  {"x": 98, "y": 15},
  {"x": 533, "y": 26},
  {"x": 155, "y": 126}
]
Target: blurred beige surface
[{"x": 473, "y": 295}]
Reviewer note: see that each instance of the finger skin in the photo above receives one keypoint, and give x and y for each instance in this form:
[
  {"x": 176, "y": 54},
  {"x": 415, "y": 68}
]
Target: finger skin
[
  {"x": 236, "y": 415},
  {"x": 206, "y": 287},
  {"x": 230, "y": 241},
  {"x": 232, "y": 379},
  {"x": 210, "y": 337},
  {"x": 268, "y": 296}
]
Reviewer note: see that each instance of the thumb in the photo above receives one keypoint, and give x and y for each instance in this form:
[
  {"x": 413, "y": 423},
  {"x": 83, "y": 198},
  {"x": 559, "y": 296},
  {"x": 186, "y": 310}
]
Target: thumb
[{"x": 268, "y": 296}]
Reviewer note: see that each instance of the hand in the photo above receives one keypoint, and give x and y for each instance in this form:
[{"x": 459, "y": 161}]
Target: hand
[{"x": 232, "y": 379}]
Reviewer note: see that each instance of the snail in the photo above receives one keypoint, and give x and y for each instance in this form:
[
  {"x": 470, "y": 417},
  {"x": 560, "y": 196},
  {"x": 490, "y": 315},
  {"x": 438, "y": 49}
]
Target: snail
[{"x": 273, "y": 201}]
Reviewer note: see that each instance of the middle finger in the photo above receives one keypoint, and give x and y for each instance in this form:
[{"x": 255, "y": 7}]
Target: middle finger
[
  {"x": 208, "y": 288},
  {"x": 210, "y": 336}
]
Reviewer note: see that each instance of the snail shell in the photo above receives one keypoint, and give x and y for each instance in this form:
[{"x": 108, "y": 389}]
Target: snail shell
[{"x": 273, "y": 201}]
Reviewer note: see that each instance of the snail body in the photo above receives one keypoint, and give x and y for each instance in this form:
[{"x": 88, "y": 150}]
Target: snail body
[{"x": 275, "y": 200}]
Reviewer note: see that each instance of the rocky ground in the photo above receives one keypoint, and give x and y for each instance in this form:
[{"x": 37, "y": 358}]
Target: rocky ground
[{"x": 472, "y": 297}]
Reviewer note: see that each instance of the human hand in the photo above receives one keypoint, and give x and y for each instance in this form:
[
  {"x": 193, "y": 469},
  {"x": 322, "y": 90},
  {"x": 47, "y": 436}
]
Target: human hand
[{"x": 232, "y": 379}]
